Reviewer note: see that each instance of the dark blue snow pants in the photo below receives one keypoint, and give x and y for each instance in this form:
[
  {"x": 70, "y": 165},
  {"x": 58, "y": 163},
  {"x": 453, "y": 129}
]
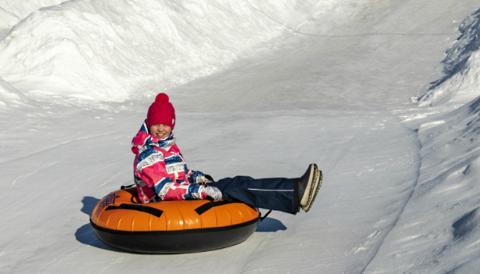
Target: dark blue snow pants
[{"x": 269, "y": 193}]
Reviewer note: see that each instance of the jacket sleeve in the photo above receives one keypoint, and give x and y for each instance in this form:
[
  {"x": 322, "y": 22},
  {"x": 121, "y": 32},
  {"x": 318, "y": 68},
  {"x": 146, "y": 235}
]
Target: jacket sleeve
[
  {"x": 188, "y": 191},
  {"x": 150, "y": 168}
]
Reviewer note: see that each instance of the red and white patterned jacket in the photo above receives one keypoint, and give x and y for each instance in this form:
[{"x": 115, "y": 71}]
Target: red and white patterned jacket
[{"x": 160, "y": 171}]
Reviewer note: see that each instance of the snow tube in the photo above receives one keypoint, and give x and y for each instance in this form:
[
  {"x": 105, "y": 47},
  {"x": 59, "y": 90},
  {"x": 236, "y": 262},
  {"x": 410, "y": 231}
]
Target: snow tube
[{"x": 171, "y": 226}]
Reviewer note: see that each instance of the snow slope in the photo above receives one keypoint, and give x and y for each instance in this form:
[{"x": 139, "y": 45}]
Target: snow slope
[
  {"x": 323, "y": 82},
  {"x": 438, "y": 231},
  {"x": 117, "y": 50},
  {"x": 460, "y": 80}
]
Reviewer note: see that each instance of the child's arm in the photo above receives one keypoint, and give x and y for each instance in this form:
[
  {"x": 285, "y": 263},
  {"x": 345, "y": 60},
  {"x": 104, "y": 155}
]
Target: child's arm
[
  {"x": 187, "y": 191},
  {"x": 152, "y": 171}
]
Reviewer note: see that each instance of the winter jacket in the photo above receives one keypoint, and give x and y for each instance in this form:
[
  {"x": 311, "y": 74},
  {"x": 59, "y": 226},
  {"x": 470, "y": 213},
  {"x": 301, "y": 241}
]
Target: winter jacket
[{"x": 160, "y": 172}]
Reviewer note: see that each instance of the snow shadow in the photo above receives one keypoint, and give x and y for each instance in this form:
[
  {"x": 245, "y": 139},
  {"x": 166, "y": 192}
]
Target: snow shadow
[
  {"x": 466, "y": 224},
  {"x": 89, "y": 203},
  {"x": 270, "y": 225},
  {"x": 85, "y": 233}
]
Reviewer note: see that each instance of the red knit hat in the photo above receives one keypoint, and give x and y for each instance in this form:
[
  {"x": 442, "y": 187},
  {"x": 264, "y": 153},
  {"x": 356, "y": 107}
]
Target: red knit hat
[{"x": 161, "y": 111}]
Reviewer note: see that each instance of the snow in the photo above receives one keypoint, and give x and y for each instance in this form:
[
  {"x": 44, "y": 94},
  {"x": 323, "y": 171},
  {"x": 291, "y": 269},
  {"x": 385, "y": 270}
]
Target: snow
[
  {"x": 460, "y": 70},
  {"x": 260, "y": 89},
  {"x": 118, "y": 50}
]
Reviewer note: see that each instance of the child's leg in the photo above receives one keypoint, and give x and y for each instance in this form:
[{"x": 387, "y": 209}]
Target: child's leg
[{"x": 270, "y": 193}]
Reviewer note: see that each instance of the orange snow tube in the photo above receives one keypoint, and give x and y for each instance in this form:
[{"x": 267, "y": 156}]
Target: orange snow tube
[{"x": 171, "y": 226}]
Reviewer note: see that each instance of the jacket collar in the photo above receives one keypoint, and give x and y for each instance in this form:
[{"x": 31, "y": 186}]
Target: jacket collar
[{"x": 150, "y": 140}]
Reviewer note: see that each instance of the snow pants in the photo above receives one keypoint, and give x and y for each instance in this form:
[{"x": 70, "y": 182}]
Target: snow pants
[{"x": 269, "y": 193}]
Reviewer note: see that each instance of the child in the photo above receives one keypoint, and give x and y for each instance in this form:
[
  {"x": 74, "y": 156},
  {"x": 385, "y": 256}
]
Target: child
[{"x": 161, "y": 173}]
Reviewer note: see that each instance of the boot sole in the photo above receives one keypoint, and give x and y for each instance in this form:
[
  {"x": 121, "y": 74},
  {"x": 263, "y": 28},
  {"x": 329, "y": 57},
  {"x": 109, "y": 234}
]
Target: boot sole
[
  {"x": 317, "y": 183},
  {"x": 311, "y": 180}
]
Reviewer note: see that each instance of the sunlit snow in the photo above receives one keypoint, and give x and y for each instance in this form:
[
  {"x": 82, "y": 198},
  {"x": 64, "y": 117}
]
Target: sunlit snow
[{"x": 261, "y": 88}]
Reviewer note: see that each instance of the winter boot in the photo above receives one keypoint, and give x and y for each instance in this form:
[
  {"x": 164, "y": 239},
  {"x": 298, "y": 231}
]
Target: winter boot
[{"x": 308, "y": 186}]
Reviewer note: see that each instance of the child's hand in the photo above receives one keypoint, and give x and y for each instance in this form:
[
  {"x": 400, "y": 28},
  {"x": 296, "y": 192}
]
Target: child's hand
[
  {"x": 203, "y": 180},
  {"x": 198, "y": 177},
  {"x": 213, "y": 193}
]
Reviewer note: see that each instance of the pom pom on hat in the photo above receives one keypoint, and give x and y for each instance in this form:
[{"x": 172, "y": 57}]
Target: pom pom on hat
[
  {"x": 161, "y": 111},
  {"x": 162, "y": 98}
]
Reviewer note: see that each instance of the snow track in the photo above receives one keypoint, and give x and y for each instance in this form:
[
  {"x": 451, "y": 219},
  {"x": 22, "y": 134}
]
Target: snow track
[{"x": 402, "y": 209}]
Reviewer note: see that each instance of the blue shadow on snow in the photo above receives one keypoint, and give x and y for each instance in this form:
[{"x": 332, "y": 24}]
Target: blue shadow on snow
[
  {"x": 85, "y": 233},
  {"x": 270, "y": 225}
]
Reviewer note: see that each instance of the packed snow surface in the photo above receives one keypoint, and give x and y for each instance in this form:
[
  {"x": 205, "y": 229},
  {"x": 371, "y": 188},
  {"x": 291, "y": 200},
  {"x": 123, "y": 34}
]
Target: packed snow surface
[{"x": 261, "y": 88}]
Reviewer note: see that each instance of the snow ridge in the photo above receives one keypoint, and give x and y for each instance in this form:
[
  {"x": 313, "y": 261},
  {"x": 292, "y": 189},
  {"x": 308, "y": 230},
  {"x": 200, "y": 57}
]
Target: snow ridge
[
  {"x": 405, "y": 204},
  {"x": 110, "y": 50},
  {"x": 457, "y": 66},
  {"x": 440, "y": 225}
]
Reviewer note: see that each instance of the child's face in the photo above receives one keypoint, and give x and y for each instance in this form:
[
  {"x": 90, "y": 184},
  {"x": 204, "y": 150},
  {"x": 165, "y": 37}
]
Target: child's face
[{"x": 160, "y": 131}]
